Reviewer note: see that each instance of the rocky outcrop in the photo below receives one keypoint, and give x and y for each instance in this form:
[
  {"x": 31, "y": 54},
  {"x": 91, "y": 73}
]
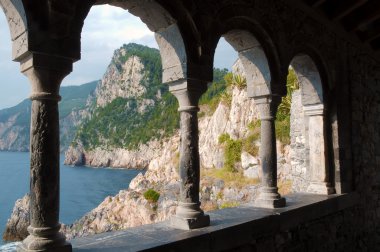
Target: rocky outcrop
[
  {"x": 116, "y": 158},
  {"x": 232, "y": 119},
  {"x": 124, "y": 82},
  {"x": 16, "y": 228}
]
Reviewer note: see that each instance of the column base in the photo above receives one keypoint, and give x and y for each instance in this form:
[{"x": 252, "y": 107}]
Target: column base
[
  {"x": 270, "y": 198},
  {"x": 63, "y": 248},
  {"x": 46, "y": 240},
  {"x": 189, "y": 216},
  {"x": 188, "y": 224},
  {"x": 270, "y": 203},
  {"x": 320, "y": 188}
]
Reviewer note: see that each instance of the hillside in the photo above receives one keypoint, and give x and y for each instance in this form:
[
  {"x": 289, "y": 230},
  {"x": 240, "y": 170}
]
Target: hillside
[
  {"x": 125, "y": 126},
  {"x": 130, "y": 101},
  {"x": 15, "y": 121}
]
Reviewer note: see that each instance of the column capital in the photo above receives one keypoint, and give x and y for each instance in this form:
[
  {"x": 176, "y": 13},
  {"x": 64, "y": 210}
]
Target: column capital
[
  {"x": 314, "y": 110},
  {"x": 188, "y": 92},
  {"x": 45, "y": 73},
  {"x": 267, "y": 106}
]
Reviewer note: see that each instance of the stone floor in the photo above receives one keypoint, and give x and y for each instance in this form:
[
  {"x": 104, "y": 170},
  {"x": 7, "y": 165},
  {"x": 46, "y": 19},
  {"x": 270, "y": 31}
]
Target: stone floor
[{"x": 229, "y": 227}]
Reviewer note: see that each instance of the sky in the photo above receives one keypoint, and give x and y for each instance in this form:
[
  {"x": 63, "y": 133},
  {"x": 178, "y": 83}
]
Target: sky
[{"x": 106, "y": 28}]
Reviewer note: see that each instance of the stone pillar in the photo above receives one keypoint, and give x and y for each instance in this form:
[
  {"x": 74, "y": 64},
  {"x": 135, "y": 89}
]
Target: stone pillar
[
  {"x": 319, "y": 173},
  {"x": 189, "y": 215},
  {"x": 269, "y": 196},
  {"x": 45, "y": 74}
]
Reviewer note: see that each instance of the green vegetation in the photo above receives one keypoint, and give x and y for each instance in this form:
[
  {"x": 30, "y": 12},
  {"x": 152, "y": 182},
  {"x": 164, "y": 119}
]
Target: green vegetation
[
  {"x": 235, "y": 80},
  {"x": 151, "y": 60},
  {"x": 151, "y": 195},
  {"x": 220, "y": 89},
  {"x": 283, "y": 112},
  {"x": 229, "y": 204},
  {"x": 211, "y": 97},
  {"x": 120, "y": 125},
  {"x": 249, "y": 143},
  {"x": 231, "y": 179},
  {"x": 75, "y": 97},
  {"x": 232, "y": 151}
]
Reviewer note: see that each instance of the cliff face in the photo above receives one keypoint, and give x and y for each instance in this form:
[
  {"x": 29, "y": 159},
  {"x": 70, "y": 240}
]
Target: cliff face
[{"x": 121, "y": 128}]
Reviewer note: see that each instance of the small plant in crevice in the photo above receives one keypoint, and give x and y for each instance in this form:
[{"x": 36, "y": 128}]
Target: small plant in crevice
[
  {"x": 249, "y": 142},
  {"x": 232, "y": 151},
  {"x": 151, "y": 195}
]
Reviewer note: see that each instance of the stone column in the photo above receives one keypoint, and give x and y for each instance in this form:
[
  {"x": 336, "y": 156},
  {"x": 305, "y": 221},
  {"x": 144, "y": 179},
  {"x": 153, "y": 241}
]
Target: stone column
[
  {"x": 45, "y": 74},
  {"x": 189, "y": 215},
  {"x": 269, "y": 196},
  {"x": 319, "y": 173}
]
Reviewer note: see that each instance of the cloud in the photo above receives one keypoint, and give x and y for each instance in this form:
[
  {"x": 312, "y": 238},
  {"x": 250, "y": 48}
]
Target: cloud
[
  {"x": 14, "y": 85},
  {"x": 105, "y": 29}
]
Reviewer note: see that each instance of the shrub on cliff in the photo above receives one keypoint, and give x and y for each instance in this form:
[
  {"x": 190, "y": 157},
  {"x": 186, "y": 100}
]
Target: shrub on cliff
[
  {"x": 232, "y": 151},
  {"x": 151, "y": 195}
]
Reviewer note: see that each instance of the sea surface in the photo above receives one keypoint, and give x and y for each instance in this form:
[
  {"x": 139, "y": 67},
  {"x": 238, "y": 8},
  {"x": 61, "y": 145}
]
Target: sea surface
[{"x": 82, "y": 188}]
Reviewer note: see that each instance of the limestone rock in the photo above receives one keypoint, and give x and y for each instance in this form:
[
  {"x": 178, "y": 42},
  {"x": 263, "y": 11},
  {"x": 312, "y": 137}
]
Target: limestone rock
[
  {"x": 247, "y": 160},
  {"x": 252, "y": 172},
  {"x": 16, "y": 228},
  {"x": 74, "y": 156}
]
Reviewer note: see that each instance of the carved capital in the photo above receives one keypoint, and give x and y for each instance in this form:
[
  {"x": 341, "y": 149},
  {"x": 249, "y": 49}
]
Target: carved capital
[
  {"x": 45, "y": 74},
  {"x": 314, "y": 110},
  {"x": 188, "y": 93},
  {"x": 267, "y": 106}
]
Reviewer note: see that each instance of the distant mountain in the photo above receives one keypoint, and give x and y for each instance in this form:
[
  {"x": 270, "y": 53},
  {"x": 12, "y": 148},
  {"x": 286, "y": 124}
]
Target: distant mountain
[{"x": 15, "y": 121}]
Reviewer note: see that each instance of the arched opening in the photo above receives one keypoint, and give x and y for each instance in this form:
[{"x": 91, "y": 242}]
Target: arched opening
[
  {"x": 174, "y": 68},
  {"x": 14, "y": 89},
  {"x": 309, "y": 153},
  {"x": 126, "y": 126},
  {"x": 229, "y": 134},
  {"x": 236, "y": 139}
]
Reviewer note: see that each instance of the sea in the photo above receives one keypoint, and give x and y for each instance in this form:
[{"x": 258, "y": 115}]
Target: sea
[{"x": 82, "y": 188}]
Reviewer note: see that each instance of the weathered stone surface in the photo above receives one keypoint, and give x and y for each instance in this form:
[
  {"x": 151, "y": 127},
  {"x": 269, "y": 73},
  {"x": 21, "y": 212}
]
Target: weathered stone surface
[
  {"x": 248, "y": 160},
  {"x": 299, "y": 155},
  {"x": 15, "y": 229},
  {"x": 269, "y": 196},
  {"x": 252, "y": 172}
]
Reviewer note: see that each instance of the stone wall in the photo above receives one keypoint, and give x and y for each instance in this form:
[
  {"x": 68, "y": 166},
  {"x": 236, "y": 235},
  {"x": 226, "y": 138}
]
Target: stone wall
[
  {"x": 334, "y": 233},
  {"x": 298, "y": 151}
]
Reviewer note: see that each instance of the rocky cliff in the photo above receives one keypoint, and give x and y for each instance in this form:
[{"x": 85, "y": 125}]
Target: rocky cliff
[{"x": 124, "y": 126}]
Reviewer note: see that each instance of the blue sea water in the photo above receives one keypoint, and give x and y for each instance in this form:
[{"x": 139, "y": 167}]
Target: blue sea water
[{"x": 82, "y": 188}]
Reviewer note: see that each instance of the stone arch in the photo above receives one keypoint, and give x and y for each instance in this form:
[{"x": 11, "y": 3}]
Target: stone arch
[
  {"x": 309, "y": 79},
  {"x": 310, "y": 132},
  {"x": 254, "y": 61},
  {"x": 18, "y": 27},
  {"x": 167, "y": 34}
]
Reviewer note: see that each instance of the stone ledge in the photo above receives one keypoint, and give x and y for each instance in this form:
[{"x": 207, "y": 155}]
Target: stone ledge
[{"x": 229, "y": 228}]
